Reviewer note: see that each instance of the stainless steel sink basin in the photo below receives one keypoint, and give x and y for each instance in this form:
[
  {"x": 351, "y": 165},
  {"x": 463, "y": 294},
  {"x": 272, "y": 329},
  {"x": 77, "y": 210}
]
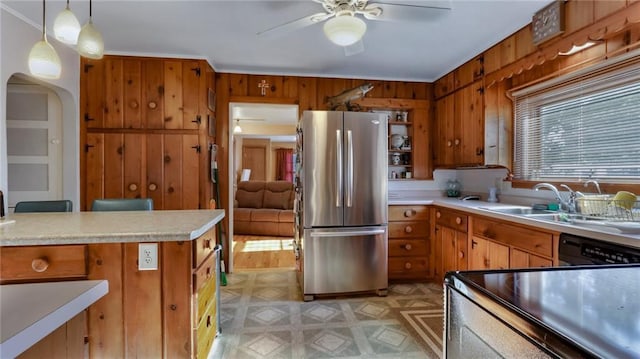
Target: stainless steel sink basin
[{"x": 522, "y": 211}]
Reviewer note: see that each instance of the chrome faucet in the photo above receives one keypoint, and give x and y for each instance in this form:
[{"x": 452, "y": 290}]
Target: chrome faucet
[
  {"x": 595, "y": 183},
  {"x": 570, "y": 205}
]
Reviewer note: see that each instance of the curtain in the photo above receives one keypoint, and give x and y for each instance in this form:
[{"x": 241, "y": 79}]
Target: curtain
[{"x": 284, "y": 164}]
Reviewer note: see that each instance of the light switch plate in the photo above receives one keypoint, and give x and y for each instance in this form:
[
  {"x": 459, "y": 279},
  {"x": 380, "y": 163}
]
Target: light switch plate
[{"x": 148, "y": 256}]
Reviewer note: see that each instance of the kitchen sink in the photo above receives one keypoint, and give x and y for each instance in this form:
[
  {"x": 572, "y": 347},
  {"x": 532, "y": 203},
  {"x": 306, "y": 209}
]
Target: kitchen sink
[{"x": 521, "y": 211}]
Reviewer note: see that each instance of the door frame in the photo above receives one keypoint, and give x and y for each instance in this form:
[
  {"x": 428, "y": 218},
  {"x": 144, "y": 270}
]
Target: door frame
[{"x": 233, "y": 100}]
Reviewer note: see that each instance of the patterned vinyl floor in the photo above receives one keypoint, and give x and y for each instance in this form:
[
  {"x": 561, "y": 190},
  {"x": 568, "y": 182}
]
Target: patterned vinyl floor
[{"x": 263, "y": 316}]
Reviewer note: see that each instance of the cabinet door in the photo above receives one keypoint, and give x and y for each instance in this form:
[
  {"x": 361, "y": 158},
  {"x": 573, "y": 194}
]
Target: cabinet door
[
  {"x": 488, "y": 255},
  {"x": 469, "y": 125},
  {"x": 92, "y": 92},
  {"x": 443, "y": 154},
  {"x": 449, "y": 249},
  {"x": 181, "y": 173},
  {"x": 522, "y": 259}
]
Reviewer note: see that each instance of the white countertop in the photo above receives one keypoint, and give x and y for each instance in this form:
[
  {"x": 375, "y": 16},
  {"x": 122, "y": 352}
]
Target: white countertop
[
  {"x": 107, "y": 227},
  {"x": 30, "y": 312},
  {"x": 607, "y": 234}
]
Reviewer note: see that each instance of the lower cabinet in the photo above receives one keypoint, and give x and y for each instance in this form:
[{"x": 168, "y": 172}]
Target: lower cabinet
[
  {"x": 484, "y": 254},
  {"x": 164, "y": 313},
  {"x": 408, "y": 243},
  {"x": 450, "y": 243}
]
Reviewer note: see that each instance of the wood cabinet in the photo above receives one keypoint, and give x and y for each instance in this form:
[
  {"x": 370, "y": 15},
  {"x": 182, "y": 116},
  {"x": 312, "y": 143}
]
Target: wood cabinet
[
  {"x": 500, "y": 244},
  {"x": 450, "y": 242},
  {"x": 145, "y": 130},
  {"x": 411, "y": 120},
  {"x": 459, "y": 128},
  {"x": 409, "y": 243},
  {"x": 166, "y": 313}
]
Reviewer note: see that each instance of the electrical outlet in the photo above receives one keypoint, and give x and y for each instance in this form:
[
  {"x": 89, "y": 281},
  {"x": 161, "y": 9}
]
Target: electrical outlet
[{"x": 148, "y": 256}]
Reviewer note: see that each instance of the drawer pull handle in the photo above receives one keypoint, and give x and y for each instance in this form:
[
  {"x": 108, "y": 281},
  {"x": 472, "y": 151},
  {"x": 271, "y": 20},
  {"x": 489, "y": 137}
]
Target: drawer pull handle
[
  {"x": 40, "y": 264},
  {"x": 206, "y": 244},
  {"x": 408, "y": 246},
  {"x": 461, "y": 254},
  {"x": 408, "y": 229},
  {"x": 438, "y": 214},
  {"x": 458, "y": 220},
  {"x": 133, "y": 187},
  {"x": 407, "y": 265},
  {"x": 409, "y": 213},
  {"x": 209, "y": 321}
]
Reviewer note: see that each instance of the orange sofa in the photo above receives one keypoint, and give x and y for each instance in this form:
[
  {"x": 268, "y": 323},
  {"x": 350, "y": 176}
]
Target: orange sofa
[{"x": 264, "y": 208}]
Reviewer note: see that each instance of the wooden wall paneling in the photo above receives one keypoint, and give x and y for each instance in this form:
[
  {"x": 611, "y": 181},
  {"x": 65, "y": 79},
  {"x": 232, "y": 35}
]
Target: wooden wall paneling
[
  {"x": 142, "y": 307},
  {"x": 173, "y": 100},
  {"x": 92, "y": 93},
  {"x": 223, "y": 86},
  {"x": 290, "y": 86},
  {"x": 190, "y": 171},
  {"x": 177, "y": 321},
  {"x": 114, "y": 88},
  {"x": 113, "y": 165},
  {"x": 578, "y": 14},
  {"x": 492, "y": 59},
  {"x": 422, "y": 167},
  {"x": 191, "y": 94},
  {"x": 470, "y": 71},
  {"x": 275, "y": 85},
  {"x": 153, "y": 94},
  {"x": 413, "y": 90},
  {"x": 604, "y": 8},
  {"x": 378, "y": 87},
  {"x": 524, "y": 42},
  {"x": 106, "y": 316},
  {"x": 207, "y": 82},
  {"x": 307, "y": 95},
  {"x": 172, "y": 171},
  {"x": 508, "y": 50},
  {"x": 444, "y": 85},
  {"x": 94, "y": 169},
  {"x": 134, "y": 166},
  {"x": 154, "y": 185},
  {"x": 389, "y": 89},
  {"x": 238, "y": 85},
  {"x": 328, "y": 87},
  {"x": 132, "y": 98}
]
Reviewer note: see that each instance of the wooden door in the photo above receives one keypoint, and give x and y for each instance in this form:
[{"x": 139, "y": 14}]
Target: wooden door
[
  {"x": 444, "y": 123},
  {"x": 477, "y": 254},
  {"x": 498, "y": 255},
  {"x": 255, "y": 158},
  {"x": 449, "y": 249},
  {"x": 469, "y": 125},
  {"x": 488, "y": 255}
]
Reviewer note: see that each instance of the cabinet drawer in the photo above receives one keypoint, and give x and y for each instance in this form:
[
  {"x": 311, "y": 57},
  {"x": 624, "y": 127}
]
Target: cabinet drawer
[
  {"x": 408, "y": 229},
  {"x": 408, "y": 213},
  {"x": 206, "y": 333},
  {"x": 451, "y": 219},
  {"x": 43, "y": 262},
  {"x": 203, "y": 246},
  {"x": 408, "y": 248},
  {"x": 205, "y": 286},
  {"x": 410, "y": 267},
  {"x": 528, "y": 239}
]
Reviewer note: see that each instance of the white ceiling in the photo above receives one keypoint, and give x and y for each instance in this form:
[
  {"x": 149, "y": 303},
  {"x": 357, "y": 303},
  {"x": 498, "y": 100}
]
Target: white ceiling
[{"x": 224, "y": 33}]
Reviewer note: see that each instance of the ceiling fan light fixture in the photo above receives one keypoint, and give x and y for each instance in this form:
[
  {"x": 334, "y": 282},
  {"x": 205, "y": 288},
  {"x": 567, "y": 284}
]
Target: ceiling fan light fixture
[
  {"x": 44, "y": 61},
  {"x": 345, "y": 30},
  {"x": 66, "y": 27}
]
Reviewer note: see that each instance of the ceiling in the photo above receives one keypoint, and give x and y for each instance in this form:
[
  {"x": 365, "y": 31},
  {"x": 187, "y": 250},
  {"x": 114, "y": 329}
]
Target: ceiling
[{"x": 224, "y": 33}]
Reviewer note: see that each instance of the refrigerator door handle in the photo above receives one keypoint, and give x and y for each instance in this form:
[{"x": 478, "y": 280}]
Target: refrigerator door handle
[
  {"x": 349, "y": 168},
  {"x": 347, "y": 233},
  {"x": 339, "y": 168}
]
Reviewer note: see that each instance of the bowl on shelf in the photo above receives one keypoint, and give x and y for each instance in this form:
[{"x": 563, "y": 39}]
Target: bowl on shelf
[{"x": 396, "y": 141}]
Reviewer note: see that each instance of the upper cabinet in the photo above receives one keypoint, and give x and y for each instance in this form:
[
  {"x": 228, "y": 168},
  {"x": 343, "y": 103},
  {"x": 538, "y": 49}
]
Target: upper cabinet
[
  {"x": 459, "y": 128},
  {"x": 143, "y": 93}
]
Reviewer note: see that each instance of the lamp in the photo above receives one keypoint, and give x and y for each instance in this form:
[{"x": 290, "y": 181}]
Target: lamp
[
  {"x": 90, "y": 43},
  {"x": 576, "y": 48},
  {"x": 345, "y": 29},
  {"x": 66, "y": 27},
  {"x": 44, "y": 61},
  {"x": 237, "y": 128}
]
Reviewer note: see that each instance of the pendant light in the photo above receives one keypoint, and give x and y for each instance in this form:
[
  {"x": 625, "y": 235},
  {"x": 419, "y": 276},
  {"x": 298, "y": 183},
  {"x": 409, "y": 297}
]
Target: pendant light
[
  {"x": 90, "y": 43},
  {"x": 237, "y": 128},
  {"x": 66, "y": 27},
  {"x": 44, "y": 61}
]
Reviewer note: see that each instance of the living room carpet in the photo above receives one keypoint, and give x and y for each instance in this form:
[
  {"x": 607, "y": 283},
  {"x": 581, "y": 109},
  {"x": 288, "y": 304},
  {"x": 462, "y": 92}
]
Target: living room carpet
[{"x": 263, "y": 316}]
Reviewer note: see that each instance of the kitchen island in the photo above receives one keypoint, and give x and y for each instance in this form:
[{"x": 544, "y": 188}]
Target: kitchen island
[{"x": 169, "y": 312}]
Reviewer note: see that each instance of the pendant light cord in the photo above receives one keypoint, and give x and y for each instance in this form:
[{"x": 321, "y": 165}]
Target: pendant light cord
[
  {"x": 44, "y": 26},
  {"x": 90, "y": 9}
]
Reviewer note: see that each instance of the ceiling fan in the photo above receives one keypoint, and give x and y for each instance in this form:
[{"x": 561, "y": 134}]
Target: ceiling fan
[{"x": 344, "y": 28}]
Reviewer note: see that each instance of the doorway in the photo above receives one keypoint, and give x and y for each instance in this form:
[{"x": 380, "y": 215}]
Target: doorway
[{"x": 264, "y": 128}]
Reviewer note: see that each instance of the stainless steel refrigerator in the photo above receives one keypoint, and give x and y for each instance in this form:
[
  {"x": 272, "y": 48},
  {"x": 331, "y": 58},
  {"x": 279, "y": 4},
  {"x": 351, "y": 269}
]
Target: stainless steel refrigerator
[{"x": 341, "y": 203}]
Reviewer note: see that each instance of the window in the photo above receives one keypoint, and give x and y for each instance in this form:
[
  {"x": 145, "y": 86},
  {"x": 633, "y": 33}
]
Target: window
[{"x": 585, "y": 125}]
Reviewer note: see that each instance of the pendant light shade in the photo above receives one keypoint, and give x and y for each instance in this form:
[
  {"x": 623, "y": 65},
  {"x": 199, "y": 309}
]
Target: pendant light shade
[
  {"x": 44, "y": 61},
  {"x": 237, "y": 128},
  {"x": 66, "y": 26},
  {"x": 90, "y": 43},
  {"x": 345, "y": 30}
]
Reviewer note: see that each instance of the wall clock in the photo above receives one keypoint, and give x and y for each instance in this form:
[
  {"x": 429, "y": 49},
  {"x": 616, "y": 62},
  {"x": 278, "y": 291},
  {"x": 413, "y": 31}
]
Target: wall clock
[{"x": 548, "y": 22}]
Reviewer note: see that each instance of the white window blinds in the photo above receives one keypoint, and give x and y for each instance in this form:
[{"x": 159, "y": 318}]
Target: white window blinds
[{"x": 585, "y": 125}]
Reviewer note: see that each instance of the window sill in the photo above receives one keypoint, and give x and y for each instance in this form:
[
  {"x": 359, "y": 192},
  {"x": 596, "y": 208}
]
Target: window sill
[{"x": 610, "y": 188}]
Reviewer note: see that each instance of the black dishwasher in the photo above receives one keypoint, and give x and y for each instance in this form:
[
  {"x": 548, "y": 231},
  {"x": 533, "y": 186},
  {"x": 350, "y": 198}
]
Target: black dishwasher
[{"x": 575, "y": 250}]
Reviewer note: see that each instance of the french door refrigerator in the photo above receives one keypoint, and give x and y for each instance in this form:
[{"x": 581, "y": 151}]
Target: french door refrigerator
[{"x": 341, "y": 210}]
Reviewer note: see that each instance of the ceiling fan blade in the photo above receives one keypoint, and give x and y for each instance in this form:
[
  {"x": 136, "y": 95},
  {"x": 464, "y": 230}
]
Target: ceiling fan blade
[
  {"x": 294, "y": 25},
  {"x": 408, "y": 12},
  {"x": 354, "y": 49}
]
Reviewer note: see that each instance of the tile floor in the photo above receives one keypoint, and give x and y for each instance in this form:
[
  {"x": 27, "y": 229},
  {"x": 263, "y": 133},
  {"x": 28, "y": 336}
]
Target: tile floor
[{"x": 263, "y": 316}]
